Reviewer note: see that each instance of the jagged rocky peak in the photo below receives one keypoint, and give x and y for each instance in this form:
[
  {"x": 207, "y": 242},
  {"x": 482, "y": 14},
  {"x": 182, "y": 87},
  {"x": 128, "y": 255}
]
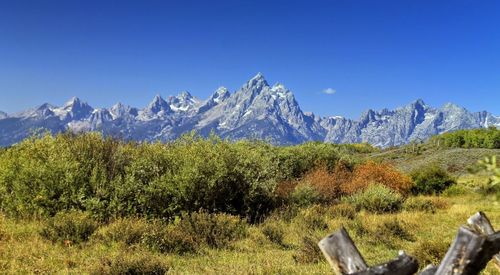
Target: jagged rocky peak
[
  {"x": 119, "y": 110},
  {"x": 75, "y": 104},
  {"x": 74, "y": 109},
  {"x": 158, "y": 105},
  {"x": 101, "y": 115},
  {"x": 257, "y": 82},
  {"x": 183, "y": 101},
  {"x": 221, "y": 94},
  {"x": 450, "y": 107},
  {"x": 367, "y": 116}
]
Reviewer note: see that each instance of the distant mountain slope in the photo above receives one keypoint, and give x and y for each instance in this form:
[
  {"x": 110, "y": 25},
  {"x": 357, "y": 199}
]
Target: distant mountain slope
[{"x": 256, "y": 111}]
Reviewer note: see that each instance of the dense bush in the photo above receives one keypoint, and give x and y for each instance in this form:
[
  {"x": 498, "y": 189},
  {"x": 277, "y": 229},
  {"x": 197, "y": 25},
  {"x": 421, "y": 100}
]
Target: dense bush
[
  {"x": 111, "y": 178},
  {"x": 305, "y": 195},
  {"x": 431, "y": 180},
  {"x": 377, "y": 199},
  {"x": 382, "y": 173},
  {"x": 328, "y": 183},
  {"x": 475, "y": 138},
  {"x": 69, "y": 228}
]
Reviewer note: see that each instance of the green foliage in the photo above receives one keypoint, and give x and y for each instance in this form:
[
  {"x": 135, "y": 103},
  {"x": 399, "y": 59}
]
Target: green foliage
[
  {"x": 305, "y": 195},
  {"x": 377, "y": 199},
  {"x": 69, "y": 228},
  {"x": 419, "y": 204},
  {"x": 42, "y": 176},
  {"x": 166, "y": 238},
  {"x": 476, "y": 138},
  {"x": 431, "y": 179},
  {"x": 455, "y": 190}
]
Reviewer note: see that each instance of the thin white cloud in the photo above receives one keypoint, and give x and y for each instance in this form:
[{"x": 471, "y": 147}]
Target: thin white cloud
[{"x": 329, "y": 91}]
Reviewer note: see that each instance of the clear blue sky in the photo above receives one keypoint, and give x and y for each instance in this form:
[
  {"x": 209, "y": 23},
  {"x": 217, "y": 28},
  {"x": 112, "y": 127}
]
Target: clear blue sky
[{"x": 374, "y": 54}]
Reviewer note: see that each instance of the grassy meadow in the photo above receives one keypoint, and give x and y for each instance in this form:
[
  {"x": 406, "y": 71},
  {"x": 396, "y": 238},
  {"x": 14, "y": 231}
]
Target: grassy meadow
[{"x": 83, "y": 204}]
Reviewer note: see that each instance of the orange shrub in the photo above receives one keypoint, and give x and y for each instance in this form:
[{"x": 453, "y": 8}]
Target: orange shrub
[
  {"x": 327, "y": 183},
  {"x": 371, "y": 172}
]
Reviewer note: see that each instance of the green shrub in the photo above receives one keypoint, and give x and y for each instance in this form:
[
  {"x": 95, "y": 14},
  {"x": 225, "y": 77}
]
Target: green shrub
[
  {"x": 274, "y": 232},
  {"x": 455, "y": 190},
  {"x": 132, "y": 264},
  {"x": 431, "y": 180},
  {"x": 419, "y": 204},
  {"x": 166, "y": 238},
  {"x": 377, "y": 199},
  {"x": 71, "y": 227},
  {"x": 127, "y": 230},
  {"x": 305, "y": 195},
  {"x": 342, "y": 210}
]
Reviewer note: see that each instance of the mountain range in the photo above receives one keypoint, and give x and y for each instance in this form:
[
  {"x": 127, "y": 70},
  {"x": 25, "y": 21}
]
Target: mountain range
[{"x": 256, "y": 111}]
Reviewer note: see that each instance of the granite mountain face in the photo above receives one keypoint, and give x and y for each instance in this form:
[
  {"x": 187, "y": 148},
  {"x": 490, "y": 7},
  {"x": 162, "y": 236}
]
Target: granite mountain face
[{"x": 256, "y": 111}]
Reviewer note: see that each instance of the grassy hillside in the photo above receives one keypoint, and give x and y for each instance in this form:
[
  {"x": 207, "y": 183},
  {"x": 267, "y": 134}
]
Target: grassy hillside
[
  {"x": 87, "y": 205},
  {"x": 454, "y": 160}
]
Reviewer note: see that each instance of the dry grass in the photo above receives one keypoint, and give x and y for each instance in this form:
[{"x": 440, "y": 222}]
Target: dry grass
[{"x": 22, "y": 250}]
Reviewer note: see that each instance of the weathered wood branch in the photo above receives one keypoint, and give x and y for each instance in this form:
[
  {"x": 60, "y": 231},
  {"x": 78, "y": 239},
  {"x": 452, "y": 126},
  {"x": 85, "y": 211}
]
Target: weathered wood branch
[
  {"x": 469, "y": 253},
  {"x": 342, "y": 253},
  {"x": 482, "y": 225},
  {"x": 402, "y": 265},
  {"x": 429, "y": 270}
]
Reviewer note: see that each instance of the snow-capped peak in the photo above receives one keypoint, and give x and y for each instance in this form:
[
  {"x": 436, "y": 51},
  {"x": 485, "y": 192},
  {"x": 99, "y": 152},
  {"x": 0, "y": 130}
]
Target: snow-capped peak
[
  {"x": 119, "y": 110},
  {"x": 220, "y": 94},
  {"x": 3, "y": 115},
  {"x": 156, "y": 109},
  {"x": 182, "y": 102},
  {"x": 257, "y": 80},
  {"x": 73, "y": 109}
]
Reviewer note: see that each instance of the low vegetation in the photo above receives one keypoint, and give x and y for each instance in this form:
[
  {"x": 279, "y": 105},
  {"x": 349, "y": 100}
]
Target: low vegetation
[{"x": 93, "y": 205}]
